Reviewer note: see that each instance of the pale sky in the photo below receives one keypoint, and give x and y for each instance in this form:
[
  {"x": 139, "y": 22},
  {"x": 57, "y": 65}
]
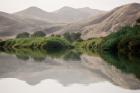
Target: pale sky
[{"x": 51, "y": 5}]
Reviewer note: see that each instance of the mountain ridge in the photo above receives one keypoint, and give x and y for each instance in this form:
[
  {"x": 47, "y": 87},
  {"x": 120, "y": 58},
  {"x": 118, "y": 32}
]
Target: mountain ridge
[
  {"x": 94, "y": 26},
  {"x": 62, "y": 15},
  {"x": 106, "y": 23}
]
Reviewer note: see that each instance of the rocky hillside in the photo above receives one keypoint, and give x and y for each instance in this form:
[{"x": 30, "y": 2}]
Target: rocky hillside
[
  {"x": 110, "y": 22},
  {"x": 105, "y": 23}
]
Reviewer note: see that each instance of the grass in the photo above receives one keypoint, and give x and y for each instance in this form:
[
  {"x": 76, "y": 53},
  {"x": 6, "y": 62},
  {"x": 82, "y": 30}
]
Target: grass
[{"x": 39, "y": 42}]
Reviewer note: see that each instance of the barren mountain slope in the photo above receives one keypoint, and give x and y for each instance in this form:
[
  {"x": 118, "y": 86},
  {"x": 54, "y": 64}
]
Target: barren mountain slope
[
  {"x": 63, "y": 15},
  {"x": 105, "y": 23},
  {"x": 11, "y": 25},
  {"x": 110, "y": 22}
]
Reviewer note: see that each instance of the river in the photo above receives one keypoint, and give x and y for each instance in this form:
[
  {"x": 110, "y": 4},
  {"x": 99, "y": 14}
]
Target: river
[{"x": 69, "y": 72}]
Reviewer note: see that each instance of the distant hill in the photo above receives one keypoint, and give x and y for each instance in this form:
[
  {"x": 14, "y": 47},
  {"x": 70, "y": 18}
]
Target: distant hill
[
  {"x": 90, "y": 22},
  {"x": 10, "y": 25},
  {"x": 63, "y": 15},
  {"x": 105, "y": 23}
]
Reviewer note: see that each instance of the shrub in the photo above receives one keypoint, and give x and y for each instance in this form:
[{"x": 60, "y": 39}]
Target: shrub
[
  {"x": 23, "y": 35},
  {"x": 40, "y": 42},
  {"x": 38, "y": 34},
  {"x": 72, "y": 36},
  {"x": 56, "y": 43},
  {"x": 111, "y": 41}
]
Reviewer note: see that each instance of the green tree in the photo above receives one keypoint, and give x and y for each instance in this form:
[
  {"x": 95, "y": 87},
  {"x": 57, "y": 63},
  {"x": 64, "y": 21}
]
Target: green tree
[
  {"x": 76, "y": 36},
  {"x": 23, "y": 35},
  {"x": 38, "y": 34},
  {"x": 72, "y": 36},
  {"x": 138, "y": 21},
  {"x": 67, "y": 36}
]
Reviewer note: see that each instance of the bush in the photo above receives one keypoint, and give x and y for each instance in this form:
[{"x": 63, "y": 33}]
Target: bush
[
  {"x": 23, "y": 35},
  {"x": 138, "y": 20},
  {"x": 38, "y": 34},
  {"x": 47, "y": 43},
  {"x": 56, "y": 43},
  {"x": 129, "y": 44},
  {"x": 111, "y": 41},
  {"x": 72, "y": 36}
]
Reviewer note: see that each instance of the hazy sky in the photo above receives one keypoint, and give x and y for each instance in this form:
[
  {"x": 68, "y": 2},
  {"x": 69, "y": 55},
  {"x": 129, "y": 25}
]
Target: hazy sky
[{"x": 51, "y": 5}]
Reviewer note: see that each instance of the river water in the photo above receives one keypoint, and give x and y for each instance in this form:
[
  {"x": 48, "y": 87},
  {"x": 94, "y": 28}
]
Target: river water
[{"x": 71, "y": 72}]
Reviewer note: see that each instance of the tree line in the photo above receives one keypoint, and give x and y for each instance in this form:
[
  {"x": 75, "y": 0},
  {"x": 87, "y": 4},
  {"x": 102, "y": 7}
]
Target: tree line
[
  {"x": 28, "y": 35},
  {"x": 70, "y": 36}
]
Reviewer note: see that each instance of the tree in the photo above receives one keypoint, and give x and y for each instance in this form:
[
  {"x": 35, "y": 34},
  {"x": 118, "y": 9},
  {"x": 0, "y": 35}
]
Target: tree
[
  {"x": 76, "y": 36},
  {"x": 67, "y": 36},
  {"x": 38, "y": 34},
  {"x": 72, "y": 36},
  {"x": 138, "y": 21},
  {"x": 23, "y": 35}
]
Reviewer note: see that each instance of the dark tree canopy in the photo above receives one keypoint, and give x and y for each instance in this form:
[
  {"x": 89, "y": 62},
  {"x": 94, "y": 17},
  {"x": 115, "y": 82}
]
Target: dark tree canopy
[
  {"x": 67, "y": 36},
  {"x": 23, "y": 35},
  {"x": 72, "y": 36},
  {"x": 38, "y": 34},
  {"x": 138, "y": 20},
  {"x": 76, "y": 36}
]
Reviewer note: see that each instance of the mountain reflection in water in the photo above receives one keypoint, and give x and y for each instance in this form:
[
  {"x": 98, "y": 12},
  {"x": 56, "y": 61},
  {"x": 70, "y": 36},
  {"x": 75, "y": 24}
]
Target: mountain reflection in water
[{"x": 70, "y": 67}]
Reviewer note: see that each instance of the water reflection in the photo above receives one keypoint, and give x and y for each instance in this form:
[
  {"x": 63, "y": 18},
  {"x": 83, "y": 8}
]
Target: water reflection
[
  {"x": 41, "y": 54},
  {"x": 70, "y": 67},
  {"x": 127, "y": 63},
  {"x": 53, "y": 86}
]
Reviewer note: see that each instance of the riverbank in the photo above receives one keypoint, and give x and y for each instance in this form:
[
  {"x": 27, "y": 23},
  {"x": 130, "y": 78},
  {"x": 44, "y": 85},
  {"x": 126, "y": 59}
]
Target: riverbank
[{"x": 126, "y": 39}]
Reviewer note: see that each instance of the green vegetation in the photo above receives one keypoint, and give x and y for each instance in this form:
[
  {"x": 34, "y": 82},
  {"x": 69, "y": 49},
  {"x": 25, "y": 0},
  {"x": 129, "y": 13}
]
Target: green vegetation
[
  {"x": 124, "y": 40},
  {"x": 56, "y": 43},
  {"x": 23, "y": 35},
  {"x": 131, "y": 44},
  {"x": 120, "y": 49},
  {"x": 37, "y": 43},
  {"x": 38, "y": 34},
  {"x": 138, "y": 21},
  {"x": 27, "y": 35},
  {"x": 121, "y": 39},
  {"x": 90, "y": 44},
  {"x": 72, "y": 36}
]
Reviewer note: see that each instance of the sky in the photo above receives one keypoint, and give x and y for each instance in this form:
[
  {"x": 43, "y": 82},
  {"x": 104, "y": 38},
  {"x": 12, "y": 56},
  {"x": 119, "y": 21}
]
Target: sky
[{"x": 11, "y": 6}]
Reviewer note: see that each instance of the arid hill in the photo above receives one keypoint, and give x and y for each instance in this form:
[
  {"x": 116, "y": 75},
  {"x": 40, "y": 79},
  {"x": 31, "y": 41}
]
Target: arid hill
[
  {"x": 110, "y": 22},
  {"x": 63, "y": 15},
  {"x": 105, "y": 23},
  {"x": 90, "y": 22}
]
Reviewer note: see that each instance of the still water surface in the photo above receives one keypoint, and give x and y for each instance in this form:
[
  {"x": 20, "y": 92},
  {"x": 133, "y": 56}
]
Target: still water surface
[{"x": 70, "y": 72}]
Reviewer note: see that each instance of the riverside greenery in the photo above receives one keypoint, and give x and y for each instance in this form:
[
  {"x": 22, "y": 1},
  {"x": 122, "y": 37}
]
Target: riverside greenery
[
  {"x": 37, "y": 42},
  {"x": 124, "y": 40},
  {"x": 127, "y": 39},
  {"x": 120, "y": 49}
]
